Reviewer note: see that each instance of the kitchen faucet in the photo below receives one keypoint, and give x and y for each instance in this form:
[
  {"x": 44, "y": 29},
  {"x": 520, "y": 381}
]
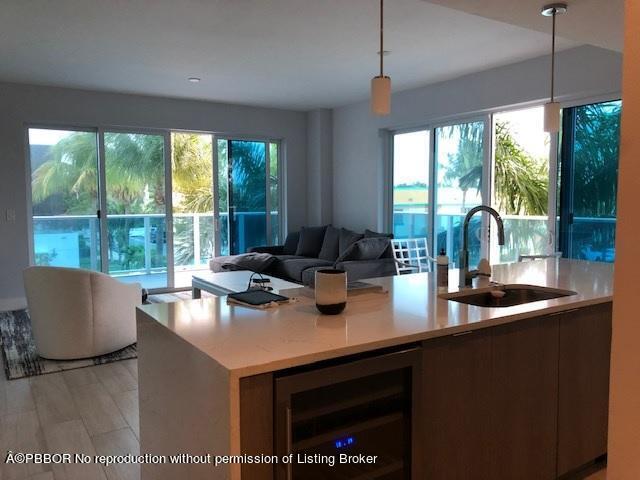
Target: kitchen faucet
[{"x": 466, "y": 276}]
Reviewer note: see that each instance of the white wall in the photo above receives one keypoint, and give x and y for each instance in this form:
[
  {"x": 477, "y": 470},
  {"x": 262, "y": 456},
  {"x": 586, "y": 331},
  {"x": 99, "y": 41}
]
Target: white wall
[
  {"x": 23, "y": 104},
  {"x": 358, "y": 167},
  {"x": 624, "y": 404},
  {"x": 320, "y": 167}
]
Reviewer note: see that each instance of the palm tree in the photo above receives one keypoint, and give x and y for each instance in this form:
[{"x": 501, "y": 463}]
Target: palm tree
[
  {"x": 465, "y": 165},
  {"x": 134, "y": 168},
  {"x": 596, "y": 150},
  {"x": 521, "y": 182}
]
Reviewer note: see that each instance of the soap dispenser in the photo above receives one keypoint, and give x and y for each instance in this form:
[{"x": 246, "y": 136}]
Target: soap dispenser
[{"x": 442, "y": 270}]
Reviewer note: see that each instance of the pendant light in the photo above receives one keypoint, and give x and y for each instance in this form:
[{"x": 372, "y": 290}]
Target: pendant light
[
  {"x": 381, "y": 84},
  {"x": 552, "y": 109}
]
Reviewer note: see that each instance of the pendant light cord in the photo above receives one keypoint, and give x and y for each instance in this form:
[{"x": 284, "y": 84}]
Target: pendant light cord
[
  {"x": 381, "y": 38},
  {"x": 553, "y": 56}
]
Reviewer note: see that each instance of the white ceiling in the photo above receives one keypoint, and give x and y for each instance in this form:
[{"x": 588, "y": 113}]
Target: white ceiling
[
  {"x": 597, "y": 22},
  {"x": 298, "y": 54}
]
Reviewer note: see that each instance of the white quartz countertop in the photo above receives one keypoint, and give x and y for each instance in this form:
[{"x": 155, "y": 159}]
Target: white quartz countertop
[{"x": 248, "y": 341}]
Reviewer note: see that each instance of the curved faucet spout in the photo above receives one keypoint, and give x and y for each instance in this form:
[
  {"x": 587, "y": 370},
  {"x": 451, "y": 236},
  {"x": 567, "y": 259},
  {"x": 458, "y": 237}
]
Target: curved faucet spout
[{"x": 465, "y": 276}]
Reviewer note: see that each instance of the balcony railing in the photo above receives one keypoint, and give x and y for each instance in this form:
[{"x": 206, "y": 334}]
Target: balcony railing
[
  {"x": 592, "y": 238},
  {"x": 137, "y": 243}
]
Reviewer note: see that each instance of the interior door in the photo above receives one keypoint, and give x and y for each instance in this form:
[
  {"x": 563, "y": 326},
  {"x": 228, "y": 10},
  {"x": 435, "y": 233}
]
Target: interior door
[{"x": 247, "y": 194}]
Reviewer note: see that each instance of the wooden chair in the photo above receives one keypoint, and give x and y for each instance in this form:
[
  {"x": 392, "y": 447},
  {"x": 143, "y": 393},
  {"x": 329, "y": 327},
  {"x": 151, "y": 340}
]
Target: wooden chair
[{"x": 411, "y": 255}]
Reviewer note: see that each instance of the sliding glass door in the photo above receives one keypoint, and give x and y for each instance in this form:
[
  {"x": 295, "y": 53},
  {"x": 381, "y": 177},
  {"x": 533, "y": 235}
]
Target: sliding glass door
[
  {"x": 247, "y": 195},
  {"x": 136, "y": 216},
  {"x": 411, "y": 194},
  {"x": 459, "y": 174},
  {"x": 248, "y": 192},
  {"x": 193, "y": 205},
  {"x": 588, "y": 181},
  {"x": 521, "y": 184},
  {"x": 149, "y": 206},
  {"x": 64, "y": 198}
]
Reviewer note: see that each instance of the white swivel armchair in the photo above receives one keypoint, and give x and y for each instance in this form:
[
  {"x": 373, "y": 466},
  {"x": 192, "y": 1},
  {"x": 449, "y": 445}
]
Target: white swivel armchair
[{"x": 79, "y": 313}]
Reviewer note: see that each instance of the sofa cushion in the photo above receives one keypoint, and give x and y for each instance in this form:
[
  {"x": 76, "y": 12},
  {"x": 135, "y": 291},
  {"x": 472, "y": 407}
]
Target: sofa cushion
[
  {"x": 347, "y": 237},
  {"x": 310, "y": 242},
  {"x": 291, "y": 243},
  {"x": 330, "y": 245},
  {"x": 292, "y": 268},
  {"x": 388, "y": 253},
  {"x": 256, "y": 262},
  {"x": 365, "y": 249}
]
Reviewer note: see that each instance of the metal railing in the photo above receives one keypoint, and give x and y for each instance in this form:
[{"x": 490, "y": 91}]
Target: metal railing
[
  {"x": 137, "y": 243},
  {"x": 592, "y": 237}
]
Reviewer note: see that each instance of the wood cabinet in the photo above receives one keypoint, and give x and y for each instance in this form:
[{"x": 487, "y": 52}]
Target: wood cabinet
[
  {"x": 256, "y": 424},
  {"x": 524, "y": 397},
  {"x": 585, "y": 350},
  {"x": 525, "y": 400},
  {"x": 456, "y": 406}
]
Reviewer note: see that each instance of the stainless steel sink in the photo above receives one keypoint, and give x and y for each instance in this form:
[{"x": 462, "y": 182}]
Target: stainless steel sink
[{"x": 515, "y": 294}]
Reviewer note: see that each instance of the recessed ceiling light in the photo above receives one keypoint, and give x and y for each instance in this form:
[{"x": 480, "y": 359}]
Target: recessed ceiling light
[{"x": 194, "y": 79}]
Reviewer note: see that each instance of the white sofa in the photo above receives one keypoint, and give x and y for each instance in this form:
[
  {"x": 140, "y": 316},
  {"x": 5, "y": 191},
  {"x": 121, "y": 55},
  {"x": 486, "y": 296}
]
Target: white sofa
[{"x": 79, "y": 313}]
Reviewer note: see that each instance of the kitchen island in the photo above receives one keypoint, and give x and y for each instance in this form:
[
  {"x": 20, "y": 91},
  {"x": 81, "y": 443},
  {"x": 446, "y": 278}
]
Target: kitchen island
[{"x": 517, "y": 383}]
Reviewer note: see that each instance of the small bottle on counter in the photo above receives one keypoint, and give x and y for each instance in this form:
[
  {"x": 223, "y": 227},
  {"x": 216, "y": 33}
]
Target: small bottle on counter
[{"x": 442, "y": 270}]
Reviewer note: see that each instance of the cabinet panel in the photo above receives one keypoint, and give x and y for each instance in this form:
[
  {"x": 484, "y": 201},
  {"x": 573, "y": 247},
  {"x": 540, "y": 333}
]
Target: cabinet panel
[
  {"x": 585, "y": 349},
  {"x": 256, "y": 424},
  {"x": 457, "y": 406},
  {"x": 525, "y": 399}
]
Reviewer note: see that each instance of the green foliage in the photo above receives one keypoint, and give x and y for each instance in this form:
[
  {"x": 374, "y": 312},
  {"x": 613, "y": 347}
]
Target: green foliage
[
  {"x": 521, "y": 182},
  {"x": 192, "y": 170},
  {"x": 465, "y": 166},
  {"x": 248, "y": 175},
  {"x": 45, "y": 258},
  {"x": 134, "y": 172},
  {"x": 596, "y": 151}
]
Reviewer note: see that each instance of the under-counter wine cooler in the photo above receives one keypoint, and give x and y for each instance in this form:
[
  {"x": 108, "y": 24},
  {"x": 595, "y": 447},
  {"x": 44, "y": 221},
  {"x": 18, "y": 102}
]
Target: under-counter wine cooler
[{"x": 349, "y": 420}]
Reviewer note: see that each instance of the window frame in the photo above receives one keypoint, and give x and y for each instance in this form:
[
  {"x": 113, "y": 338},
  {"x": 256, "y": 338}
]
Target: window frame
[
  {"x": 101, "y": 129},
  {"x": 487, "y": 116}
]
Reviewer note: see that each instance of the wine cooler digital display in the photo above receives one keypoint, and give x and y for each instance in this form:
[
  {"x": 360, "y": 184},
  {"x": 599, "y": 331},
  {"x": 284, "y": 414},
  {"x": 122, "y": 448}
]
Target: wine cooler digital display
[{"x": 345, "y": 442}]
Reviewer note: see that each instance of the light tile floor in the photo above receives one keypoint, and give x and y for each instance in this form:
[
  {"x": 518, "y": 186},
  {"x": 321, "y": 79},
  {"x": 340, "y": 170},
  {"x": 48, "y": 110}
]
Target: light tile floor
[{"x": 92, "y": 410}]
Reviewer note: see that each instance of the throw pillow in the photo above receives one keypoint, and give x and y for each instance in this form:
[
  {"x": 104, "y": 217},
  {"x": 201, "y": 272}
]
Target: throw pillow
[
  {"x": 370, "y": 248},
  {"x": 388, "y": 253},
  {"x": 310, "y": 241},
  {"x": 330, "y": 245},
  {"x": 347, "y": 237},
  {"x": 291, "y": 243}
]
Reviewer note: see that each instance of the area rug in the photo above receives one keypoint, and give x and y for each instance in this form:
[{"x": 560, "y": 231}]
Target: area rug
[{"x": 19, "y": 350}]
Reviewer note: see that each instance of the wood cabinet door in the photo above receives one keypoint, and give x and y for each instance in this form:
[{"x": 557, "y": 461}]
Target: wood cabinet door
[
  {"x": 585, "y": 350},
  {"x": 456, "y": 406},
  {"x": 256, "y": 424},
  {"x": 525, "y": 399}
]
